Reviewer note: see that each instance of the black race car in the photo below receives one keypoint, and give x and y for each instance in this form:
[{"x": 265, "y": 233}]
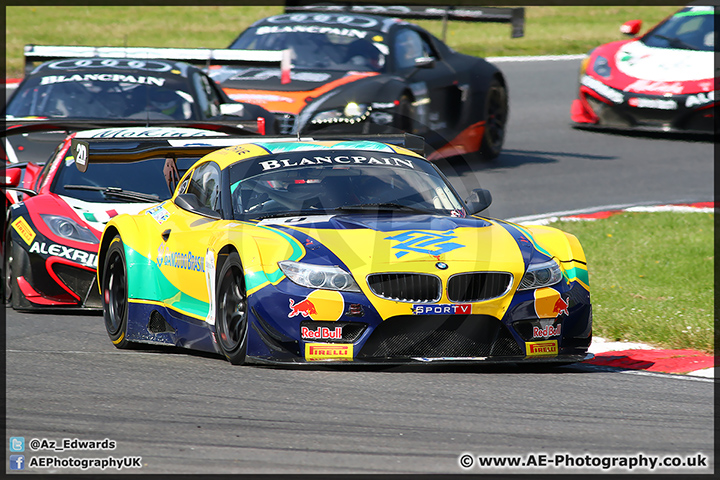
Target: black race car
[
  {"x": 354, "y": 72},
  {"x": 115, "y": 84}
]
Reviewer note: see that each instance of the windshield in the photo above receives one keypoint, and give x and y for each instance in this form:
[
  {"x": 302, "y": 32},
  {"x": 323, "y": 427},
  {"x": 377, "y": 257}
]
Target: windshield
[
  {"x": 340, "y": 182},
  {"x": 101, "y": 96},
  {"x": 690, "y": 29},
  {"x": 116, "y": 182},
  {"x": 319, "y": 47}
]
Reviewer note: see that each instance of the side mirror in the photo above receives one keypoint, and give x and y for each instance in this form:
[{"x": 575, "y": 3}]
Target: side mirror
[
  {"x": 11, "y": 177},
  {"x": 425, "y": 62},
  {"x": 190, "y": 203},
  {"x": 631, "y": 27},
  {"x": 237, "y": 109},
  {"x": 479, "y": 200}
]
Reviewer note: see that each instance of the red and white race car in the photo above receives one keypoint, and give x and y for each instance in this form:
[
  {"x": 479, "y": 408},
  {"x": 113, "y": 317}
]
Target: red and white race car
[
  {"x": 54, "y": 223},
  {"x": 662, "y": 81}
]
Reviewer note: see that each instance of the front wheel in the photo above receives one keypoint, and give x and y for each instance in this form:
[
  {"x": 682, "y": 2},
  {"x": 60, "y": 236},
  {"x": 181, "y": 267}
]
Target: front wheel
[
  {"x": 231, "y": 319},
  {"x": 115, "y": 293},
  {"x": 8, "y": 268},
  {"x": 496, "y": 116}
]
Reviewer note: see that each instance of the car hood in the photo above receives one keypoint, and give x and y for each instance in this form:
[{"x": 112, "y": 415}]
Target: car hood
[
  {"x": 639, "y": 68},
  {"x": 407, "y": 243},
  {"x": 96, "y": 215},
  {"x": 263, "y": 86}
]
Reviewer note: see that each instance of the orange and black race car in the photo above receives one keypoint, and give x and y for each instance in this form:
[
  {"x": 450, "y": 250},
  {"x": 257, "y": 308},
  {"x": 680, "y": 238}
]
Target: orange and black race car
[{"x": 361, "y": 73}]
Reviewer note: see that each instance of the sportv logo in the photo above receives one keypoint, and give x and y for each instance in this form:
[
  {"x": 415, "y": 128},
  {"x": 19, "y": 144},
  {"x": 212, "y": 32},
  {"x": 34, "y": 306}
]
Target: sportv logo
[{"x": 443, "y": 309}]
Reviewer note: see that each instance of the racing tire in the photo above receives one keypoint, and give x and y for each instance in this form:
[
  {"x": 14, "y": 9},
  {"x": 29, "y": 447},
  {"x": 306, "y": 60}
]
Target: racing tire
[
  {"x": 8, "y": 269},
  {"x": 496, "y": 116},
  {"x": 14, "y": 262},
  {"x": 115, "y": 294},
  {"x": 231, "y": 315}
]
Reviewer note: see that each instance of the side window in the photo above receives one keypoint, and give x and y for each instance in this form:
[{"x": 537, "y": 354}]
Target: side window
[
  {"x": 208, "y": 98},
  {"x": 409, "y": 45},
  {"x": 205, "y": 184}
]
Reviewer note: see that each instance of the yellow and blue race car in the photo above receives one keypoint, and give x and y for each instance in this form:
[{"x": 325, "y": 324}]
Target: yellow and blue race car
[{"x": 354, "y": 250}]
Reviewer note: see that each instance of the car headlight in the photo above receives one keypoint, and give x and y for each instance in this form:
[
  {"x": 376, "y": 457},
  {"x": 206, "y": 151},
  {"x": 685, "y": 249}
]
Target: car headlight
[
  {"x": 541, "y": 275},
  {"x": 350, "y": 113},
  {"x": 601, "y": 67},
  {"x": 68, "y": 228},
  {"x": 319, "y": 276}
]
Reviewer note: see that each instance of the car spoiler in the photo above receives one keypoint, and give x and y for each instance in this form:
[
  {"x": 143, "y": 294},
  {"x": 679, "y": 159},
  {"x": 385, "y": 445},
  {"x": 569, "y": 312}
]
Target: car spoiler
[
  {"x": 114, "y": 150},
  {"x": 198, "y": 56},
  {"x": 513, "y": 15},
  {"x": 22, "y": 126}
]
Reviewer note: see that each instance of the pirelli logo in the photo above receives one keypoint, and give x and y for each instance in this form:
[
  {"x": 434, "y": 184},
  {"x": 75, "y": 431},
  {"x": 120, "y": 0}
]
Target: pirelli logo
[
  {"x": 24, "y": 230},
  {"x": 324, "y": 351},
  {"x": 538, "y": 349}
]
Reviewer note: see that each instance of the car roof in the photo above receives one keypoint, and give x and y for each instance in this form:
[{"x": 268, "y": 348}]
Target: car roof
[{"x": 251, "y": 150}]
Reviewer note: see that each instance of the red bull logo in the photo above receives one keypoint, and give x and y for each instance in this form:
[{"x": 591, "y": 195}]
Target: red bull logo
[
  {"x": 561, "y": 306},
  {"x": 323, "y": 351},
  {"x": 548, "y": 331},
  {"x": 539, "y": 349},
  {"x": 304, "y": 308},
  {"x": 322, "y": 333},
  {"x": 549, "y": 303}
]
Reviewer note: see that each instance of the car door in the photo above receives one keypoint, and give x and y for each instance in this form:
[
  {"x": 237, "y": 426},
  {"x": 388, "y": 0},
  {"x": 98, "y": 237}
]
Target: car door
[
  {"x": 434, "y": 86},
  {"x": 185, "y": 237}
]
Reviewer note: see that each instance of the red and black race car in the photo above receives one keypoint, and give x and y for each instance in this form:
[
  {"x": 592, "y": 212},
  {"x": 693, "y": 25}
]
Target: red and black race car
[
  {"x": 52, "y": 234},
  {"x": 662, "y": 81},
  {"x": 363, "y": 70}
]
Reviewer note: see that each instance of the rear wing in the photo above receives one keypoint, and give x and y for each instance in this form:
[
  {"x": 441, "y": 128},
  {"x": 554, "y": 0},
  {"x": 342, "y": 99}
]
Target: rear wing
[
  {"x": 114, "y": 150},
  {"x": 514, "y": 15},
  {"x": 23, "y": 126},
  {"x": 197, "y": 56}
]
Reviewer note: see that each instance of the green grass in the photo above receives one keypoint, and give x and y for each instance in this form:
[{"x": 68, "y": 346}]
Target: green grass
[
  {"x": 651, "y": 277},
  {"x": 548, "y": 30}
]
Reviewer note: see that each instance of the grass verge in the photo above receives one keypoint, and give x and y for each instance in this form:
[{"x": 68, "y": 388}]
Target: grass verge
[
  {"x": 651, "y": 277},
  {"x": 548, "y": 30}
]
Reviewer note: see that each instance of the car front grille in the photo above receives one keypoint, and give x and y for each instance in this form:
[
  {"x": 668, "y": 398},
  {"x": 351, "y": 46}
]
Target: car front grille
[
  {"x": 406, "y": 287},
  {"x": 440, "y": 336},
  {"x": 286, "y": 122},
  {"x": 478, "y": 286}
]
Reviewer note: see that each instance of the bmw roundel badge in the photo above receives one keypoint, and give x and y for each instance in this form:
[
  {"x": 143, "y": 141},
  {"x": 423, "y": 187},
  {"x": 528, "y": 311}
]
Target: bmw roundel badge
[{"x": 441, "y": 265}]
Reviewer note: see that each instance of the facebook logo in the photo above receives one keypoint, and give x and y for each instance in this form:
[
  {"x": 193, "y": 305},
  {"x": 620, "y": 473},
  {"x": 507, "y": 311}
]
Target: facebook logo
[
  {"x": 17, "y": 462},
  {"x": 17, "y": 444}
]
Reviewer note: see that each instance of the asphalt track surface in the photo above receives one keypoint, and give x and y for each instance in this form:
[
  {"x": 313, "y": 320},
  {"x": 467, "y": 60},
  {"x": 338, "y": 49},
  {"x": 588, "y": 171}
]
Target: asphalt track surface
[{"x": 190, "y": 413}]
